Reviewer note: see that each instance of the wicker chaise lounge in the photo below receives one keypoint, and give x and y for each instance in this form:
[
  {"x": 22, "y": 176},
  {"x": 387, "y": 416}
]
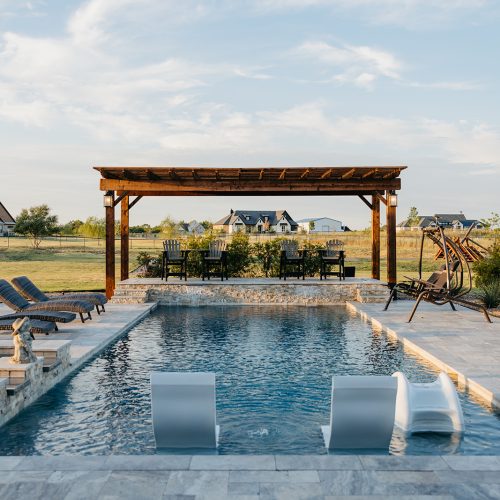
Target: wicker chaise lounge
[
  {"x": 29, "y": 290},
  {"x": 62, "y": 309}
]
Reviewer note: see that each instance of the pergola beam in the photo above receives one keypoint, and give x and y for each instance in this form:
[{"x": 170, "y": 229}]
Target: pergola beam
[
  {"x": 365, "y": 201},
  {"x": 244, "y": 187},
  {"x": 131, "y": 204},
  {"x": 348, "y": 174}
]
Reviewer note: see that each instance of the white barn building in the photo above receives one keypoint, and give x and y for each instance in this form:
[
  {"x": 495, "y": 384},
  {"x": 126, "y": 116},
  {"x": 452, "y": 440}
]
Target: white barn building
[{"x": 320, "y": 225}]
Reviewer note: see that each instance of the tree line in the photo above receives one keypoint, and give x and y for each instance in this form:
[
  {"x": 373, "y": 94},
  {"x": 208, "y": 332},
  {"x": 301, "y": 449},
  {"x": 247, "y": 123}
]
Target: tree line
[{"x": 38, "y": 222}]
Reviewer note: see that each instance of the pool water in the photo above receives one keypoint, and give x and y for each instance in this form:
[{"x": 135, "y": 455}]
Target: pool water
[{"x": 273, "y": 366}]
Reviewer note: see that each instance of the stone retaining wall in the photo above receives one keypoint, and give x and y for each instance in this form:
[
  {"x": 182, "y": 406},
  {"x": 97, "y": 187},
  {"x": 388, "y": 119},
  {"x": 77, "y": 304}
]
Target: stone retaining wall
[
  {"x": 247, "y": 292},
  {"x": 39, "y": 381}
]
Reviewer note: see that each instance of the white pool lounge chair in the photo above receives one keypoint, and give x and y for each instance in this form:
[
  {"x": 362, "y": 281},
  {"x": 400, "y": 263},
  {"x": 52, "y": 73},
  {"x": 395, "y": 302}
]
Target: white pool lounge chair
[
  {"x": 428, "y": 407},
  {"x": 362, "y": 412},
  {"x": 183, "y": 410}
]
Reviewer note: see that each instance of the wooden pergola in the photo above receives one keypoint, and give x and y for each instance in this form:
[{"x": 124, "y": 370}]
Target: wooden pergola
[{"x": 127, "y": 185}]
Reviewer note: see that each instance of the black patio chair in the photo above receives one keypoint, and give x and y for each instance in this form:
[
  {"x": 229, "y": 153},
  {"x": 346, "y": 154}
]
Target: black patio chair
[
  {"x": 29, "y": 290},
  {"x": 332, "y": 255},
  {"x": 174, "y": 256},
  {"x": 215, "y": 258},
  {"x": 292, "y": 257}
]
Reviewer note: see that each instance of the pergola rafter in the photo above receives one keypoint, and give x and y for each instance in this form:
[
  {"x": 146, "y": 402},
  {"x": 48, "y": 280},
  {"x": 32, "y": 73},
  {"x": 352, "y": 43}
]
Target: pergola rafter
[{"x": 366, "y": 181}]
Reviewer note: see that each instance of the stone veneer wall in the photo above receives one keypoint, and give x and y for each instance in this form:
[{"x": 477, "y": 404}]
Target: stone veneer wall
[
  {"x": 247, "y": 293},
  {"x": 39, "y": 383}
]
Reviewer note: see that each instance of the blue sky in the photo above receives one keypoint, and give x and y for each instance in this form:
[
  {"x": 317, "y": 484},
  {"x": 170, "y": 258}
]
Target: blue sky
[{"x": 250, "y": 83}]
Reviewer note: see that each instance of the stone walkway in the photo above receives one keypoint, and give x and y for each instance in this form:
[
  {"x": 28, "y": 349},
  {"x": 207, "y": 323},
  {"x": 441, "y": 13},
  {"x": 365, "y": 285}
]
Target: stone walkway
[
  {"x": 249, "y": 477},
  {"x": 461, "y": 343}
]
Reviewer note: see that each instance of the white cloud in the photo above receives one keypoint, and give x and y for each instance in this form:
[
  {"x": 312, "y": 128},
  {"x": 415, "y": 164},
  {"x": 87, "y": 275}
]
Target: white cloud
[
  {"x": 411, "y": 13},
  {"x": 458, "y": 86},
  {"x": 360, "y": 65}
]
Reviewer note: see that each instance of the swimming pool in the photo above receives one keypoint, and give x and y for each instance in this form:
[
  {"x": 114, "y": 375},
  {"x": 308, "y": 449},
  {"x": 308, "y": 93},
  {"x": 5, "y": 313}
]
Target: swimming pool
[{"x": 273, "y": 370}]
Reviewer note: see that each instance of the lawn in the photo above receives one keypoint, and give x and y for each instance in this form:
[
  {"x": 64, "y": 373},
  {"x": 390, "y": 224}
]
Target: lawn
[{"x": 76, "y": 264}]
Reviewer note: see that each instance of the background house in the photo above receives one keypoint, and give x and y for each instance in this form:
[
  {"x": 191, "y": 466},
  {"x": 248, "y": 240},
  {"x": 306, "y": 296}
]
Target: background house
[
  {"x": 192, "y": 227},
  {"x": 320, "y": 225},
  {"x": 455, "y": 221},
  {"x": 7, "y": 222},
  {"x": 256, "y": 221}
]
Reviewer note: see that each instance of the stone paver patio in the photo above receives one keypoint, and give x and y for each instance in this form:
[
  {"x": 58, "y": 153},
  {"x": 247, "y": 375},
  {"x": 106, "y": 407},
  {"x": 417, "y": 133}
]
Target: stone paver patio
[
  {"x": 461, "y": 343},
  {"x": 247, "y": 477}
]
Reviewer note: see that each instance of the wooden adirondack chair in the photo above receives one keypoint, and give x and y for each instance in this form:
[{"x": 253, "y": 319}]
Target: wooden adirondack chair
[
  {"x": 174, "y": 256},
  {"x": 332, "y": 255},
  {"x": 215, "y": 258},
  {"x": 292, "y": 257}
]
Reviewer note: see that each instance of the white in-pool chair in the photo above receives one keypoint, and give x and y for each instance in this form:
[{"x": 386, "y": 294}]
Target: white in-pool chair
[
  {"x": 428, "y": 407},
  {"x": 362, "y": 412},
  {"x": 183, "y": 410}
]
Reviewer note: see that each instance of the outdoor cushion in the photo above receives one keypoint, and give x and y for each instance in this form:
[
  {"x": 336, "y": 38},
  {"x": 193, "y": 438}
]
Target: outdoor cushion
[
  {"x": 37, "y": 326},
  {"x": 44, "y": 315}
]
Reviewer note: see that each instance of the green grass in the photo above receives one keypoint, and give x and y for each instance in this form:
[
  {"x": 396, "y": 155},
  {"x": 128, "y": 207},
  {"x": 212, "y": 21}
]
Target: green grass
[{"x": 76, "y": 265}]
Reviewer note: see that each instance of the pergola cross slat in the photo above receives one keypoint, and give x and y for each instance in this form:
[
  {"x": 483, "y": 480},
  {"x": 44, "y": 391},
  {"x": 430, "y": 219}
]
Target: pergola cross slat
[{"x": 374, "y": 181}]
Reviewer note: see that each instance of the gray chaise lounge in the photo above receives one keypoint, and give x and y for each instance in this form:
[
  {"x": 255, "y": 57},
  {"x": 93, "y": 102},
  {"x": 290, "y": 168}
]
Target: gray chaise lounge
[
  {"x": 12, "y": 298},
  {"x": 27, "y": 288}
]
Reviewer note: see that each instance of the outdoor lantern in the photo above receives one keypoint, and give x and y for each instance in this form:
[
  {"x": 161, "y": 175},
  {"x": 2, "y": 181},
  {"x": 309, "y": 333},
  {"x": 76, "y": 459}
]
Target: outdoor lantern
[
  {"x": 108, "y": 199},
  {"x": 392, "y": 199}
]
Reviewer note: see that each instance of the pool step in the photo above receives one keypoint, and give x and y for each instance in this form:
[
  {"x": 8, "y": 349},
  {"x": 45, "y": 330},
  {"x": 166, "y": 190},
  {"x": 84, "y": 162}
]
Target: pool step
[{"x": 130, "y": 295}]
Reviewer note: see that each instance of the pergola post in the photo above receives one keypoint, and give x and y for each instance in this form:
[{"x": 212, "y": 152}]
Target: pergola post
[
  {"x": 391, "y": 243},
  {"x": 124, "y": 236},
  {"x": 110, "y": 249},
  {"x": 375, "y": 237}
]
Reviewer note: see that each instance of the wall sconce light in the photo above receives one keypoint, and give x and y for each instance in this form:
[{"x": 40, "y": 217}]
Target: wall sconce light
[
  {"x": 392, "y": 199},
  {"x": 109, "y": 199}
]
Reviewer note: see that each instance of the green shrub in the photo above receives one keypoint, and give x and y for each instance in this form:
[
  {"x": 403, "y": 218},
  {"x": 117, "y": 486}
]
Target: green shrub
[
  {"x": 489, "y": 294},
  {"x": 313, "y": 260},
  {"x": 195, "y": 258},
  {"x": 239, "y": 255},
  {"x": 150, "y": 263},
  {"x": 487, "y": 271},
  {"x": 266, "y": 255}
]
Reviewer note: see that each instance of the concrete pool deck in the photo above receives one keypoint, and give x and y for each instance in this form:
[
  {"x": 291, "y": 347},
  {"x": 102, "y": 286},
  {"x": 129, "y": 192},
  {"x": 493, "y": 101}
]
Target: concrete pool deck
[{"x": 461, "y": 343}]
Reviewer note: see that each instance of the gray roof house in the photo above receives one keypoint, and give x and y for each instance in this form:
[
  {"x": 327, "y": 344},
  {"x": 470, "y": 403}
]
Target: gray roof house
[
  {"x": 7, "y": 222},
  {"x": 192, "y": 227},
  {"x": 455, "y": 221},
  {"x": 257, "y": 221}
]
